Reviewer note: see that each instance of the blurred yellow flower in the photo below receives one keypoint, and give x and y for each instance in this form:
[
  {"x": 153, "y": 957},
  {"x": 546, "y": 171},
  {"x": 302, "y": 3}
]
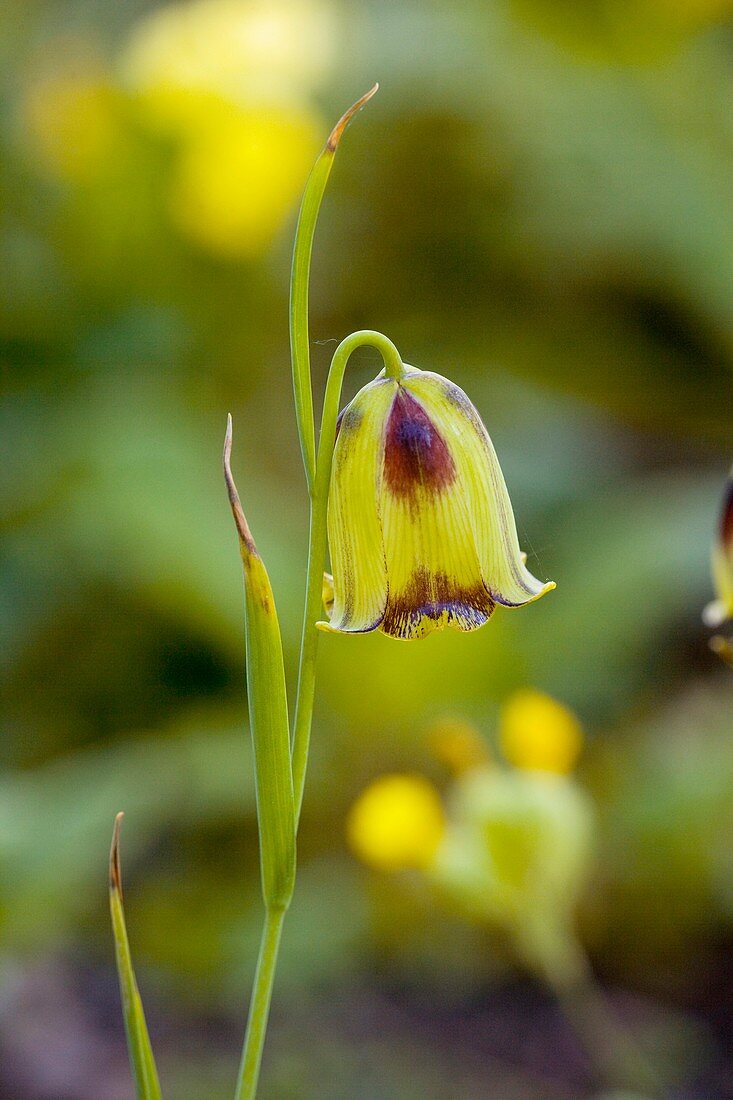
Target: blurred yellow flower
[
  {"x": 539, "y": 734},
  {"x": 458, "y": 745},
  {"x": 230, "y": 81},
  {"x": 515, "y": 854},
  {"x": 245, "y": 50},
  {"x": 71, "y": 120},
  {"x": 237, "y": 181},
  {"x": 397, "y": 822}
]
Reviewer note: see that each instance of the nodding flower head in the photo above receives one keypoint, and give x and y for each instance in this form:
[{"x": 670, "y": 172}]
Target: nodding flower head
[
  {"x": 721, "y": 608},
  {"x": 420, "y": 525}
]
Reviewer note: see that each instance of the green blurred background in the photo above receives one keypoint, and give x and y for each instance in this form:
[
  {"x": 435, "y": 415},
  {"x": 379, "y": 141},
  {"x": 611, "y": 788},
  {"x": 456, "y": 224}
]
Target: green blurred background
[{"x": 539, "y": 205}]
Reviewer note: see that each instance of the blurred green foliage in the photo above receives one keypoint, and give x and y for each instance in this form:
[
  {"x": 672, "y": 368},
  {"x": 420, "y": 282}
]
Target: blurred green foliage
[{"x": 538, "y": 206}]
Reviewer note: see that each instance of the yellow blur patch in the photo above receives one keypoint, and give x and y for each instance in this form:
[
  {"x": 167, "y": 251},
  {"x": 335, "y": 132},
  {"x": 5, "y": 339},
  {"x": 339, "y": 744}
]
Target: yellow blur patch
[
  {"x": 539, "y": 734},
  {"x": 398, "y": 822},
  {"x": 458, "y": 745},
  {"x": 71, "y": 122},
  {"x": 238, "y": 181},
  {"x": 516, "y": 855},
  {"x": 244, "y": 50}
]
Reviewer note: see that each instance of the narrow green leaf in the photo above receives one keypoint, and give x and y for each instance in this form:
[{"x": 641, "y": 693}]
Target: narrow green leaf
[
  {"x": 138, "y": 1042},
  {"x": 299, "y": 282},
  {"x": 268, "y": 712}
]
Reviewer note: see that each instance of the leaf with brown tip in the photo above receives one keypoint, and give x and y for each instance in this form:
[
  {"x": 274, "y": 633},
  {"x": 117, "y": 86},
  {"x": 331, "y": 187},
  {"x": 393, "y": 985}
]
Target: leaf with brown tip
[{"x": 142, "y": 1062}]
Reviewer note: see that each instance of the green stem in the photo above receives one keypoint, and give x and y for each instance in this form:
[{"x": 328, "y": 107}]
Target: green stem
[
  {"x": 610, "y": 1047},
  {"x": 318, "y": 539},
  {"x": 612, "y": 1050},
  {"x": 259, "y": 1006}
]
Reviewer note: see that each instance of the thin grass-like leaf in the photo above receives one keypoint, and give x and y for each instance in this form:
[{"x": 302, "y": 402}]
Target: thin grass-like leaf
[
  {"x": 299, "y": 282},
  {"x": 142, "y": 1062},
  {"x": 268, "y": 711}
]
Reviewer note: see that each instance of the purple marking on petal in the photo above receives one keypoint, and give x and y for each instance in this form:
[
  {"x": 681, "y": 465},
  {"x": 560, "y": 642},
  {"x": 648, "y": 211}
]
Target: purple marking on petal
[
  {"x": 349, "y": 419},
  {"x": 415, "y": 454},
  {"x": 459, "y": 400},
  {"x": 432, "y": 595}
]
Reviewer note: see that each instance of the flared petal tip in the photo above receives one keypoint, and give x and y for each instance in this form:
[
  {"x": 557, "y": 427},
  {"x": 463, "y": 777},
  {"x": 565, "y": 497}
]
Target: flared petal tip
[
  {"x": 326, "y": 627},
  {"x": 548, "y": 586},
  {"x": 341, "y": 628},
  {"x": 530, "y": 595}
]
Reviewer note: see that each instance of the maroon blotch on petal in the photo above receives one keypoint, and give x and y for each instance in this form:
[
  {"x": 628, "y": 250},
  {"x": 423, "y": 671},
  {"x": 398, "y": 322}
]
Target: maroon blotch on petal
[{"x": 415, "y": 453}]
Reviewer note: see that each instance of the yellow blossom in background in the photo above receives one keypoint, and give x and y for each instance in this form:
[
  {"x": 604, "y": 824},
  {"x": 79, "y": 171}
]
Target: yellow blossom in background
[
  {"x": 538, "y": 733},
  {"x": 534, "y": 829},
  {"x": 515, "y": 855},
  {"x": 247, "y": 51},
  {"x": 512, "y": 851},
  {"x": 458, "y": 745},
  {"x": 70, "y": 119},
  {"x": 397, "y": 822},
  {"x": 230, "y": 81},
  {"x": 237, "y": 182}
]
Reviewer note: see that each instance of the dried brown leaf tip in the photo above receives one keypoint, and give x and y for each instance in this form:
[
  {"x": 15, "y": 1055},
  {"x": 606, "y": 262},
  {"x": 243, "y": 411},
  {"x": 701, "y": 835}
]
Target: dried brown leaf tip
[
  {"x": 343, "y": 122},
  {"x": 245, "y": 535}
]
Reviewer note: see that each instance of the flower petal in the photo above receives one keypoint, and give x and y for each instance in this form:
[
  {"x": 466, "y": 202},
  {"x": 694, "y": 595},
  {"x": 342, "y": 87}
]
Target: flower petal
[
  {"x": 722, "y": 563},
  {"x": 432, "y": 565},
  {"x": 354, "y": 532},
  {"x": 480, "y": 483}
]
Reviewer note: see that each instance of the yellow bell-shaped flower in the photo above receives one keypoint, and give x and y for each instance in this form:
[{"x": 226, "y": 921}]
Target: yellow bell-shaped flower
[
  {"x": 721, "y": 608},
  {"x": 420, "y": 525}
]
